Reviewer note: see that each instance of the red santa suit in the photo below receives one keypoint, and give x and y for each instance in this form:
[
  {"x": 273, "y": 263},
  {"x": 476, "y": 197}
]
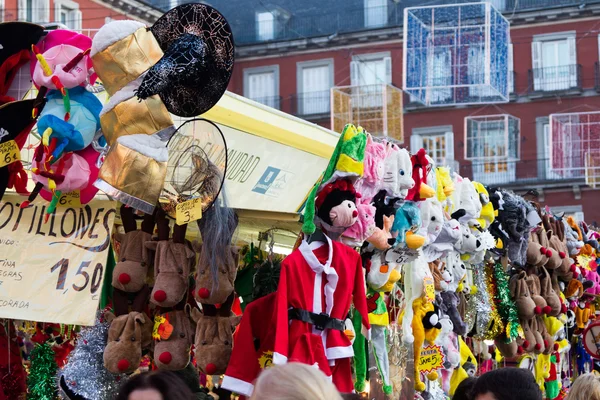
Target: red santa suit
[
  {"x": 256, "y": 332},
  {"x": 327, "y": 280}
]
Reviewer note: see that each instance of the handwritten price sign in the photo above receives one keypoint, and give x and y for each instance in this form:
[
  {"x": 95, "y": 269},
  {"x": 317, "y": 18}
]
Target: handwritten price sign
[
  {"x": 188, "y": 211},
  {"x": 70, "y": 199},
  {"x": 9, "y": 153},
  {"x": 431, "y": 359}
]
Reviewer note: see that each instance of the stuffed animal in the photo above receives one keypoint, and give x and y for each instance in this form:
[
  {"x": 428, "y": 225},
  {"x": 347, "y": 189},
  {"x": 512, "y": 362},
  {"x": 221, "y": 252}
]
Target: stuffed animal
[
  {"x": 397, "y": 176},
  {"x": 445, "y": 185},
  {"x": 128, "y": 335},
  {"x": 481, "y": 350},
  {"x": 381, "y": 238},
  {"x": 418, "y": 283},
  {"x": 363, "y": 228},
  {"x": 548, "y": 293},
  {"x": 382, "y": 274},
  {"x": 442, "y": 276},
  {"x": 173, "y": 263},
  {"x": 594, "y": 278},
  {"x": 432, "y": 219},
  {"x": 375, "y": 154},
  {"x": 406, "y": 223},
  {"x": 486, "y": 216},
  {"x": 573, "y": 236},
  {"x": 425, "y": 325},
  {"x": 174, "y": 336},
  {"x": 206, "y": 292},
  {"x": 446, "y": 340},
  {"x": 336, "y": 206},
  {"x": 131, "y": 270},
  {"x": 420, "y": 191},
  {"x": 214, "y": 337},
  {"x": 467, "y": 243},
  {"x": 466, "y": 198},
  {"x": 449, "y": 306}
]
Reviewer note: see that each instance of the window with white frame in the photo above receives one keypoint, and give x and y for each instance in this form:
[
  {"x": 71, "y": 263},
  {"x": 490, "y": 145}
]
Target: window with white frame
[
  {"x": 262, "y": 85},
  {"x": 37, "y": 11},
  {"x": 439, "y": 89},
  {"x": 265, "y": 25},
  {"x": 369, "y": 73},
  {"x": 315, "y": 79},
  {"x": 569, "y": 211},
  {"x": 67, "y": 12},
  {"x": 376, "y": 13},
  {"x": 570, "y": 171},
  {"x": 554, "y": 59},
  {"x": 438, "y": 141}
]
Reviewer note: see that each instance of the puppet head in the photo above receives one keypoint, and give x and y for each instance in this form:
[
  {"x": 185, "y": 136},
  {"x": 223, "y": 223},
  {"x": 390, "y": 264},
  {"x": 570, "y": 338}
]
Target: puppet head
[
  {"x": 363, "y": 228},
  {"x": 336, "y": 206},
  {"x": 174, "y": 336},
  {"x": 128, "y": 335},
  {"x": 397, "y": 179},
  {"x": 420, "y": 191},
  {"x": 214, "y": 337},
  {"x": 382, "y": 274}
]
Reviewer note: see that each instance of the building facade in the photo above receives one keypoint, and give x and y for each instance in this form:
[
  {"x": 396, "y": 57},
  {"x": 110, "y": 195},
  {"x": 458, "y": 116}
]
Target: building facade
[{"x": 305, "y": 58}]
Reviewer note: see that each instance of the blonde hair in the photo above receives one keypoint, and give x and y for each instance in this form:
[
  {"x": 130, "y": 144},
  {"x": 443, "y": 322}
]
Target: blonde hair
[
  {"x": 586, "y": 387},
  {"x": 294, "y": 381}
]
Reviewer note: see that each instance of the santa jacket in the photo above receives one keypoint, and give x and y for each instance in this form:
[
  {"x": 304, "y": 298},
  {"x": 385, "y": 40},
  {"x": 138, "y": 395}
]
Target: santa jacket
[
  {"x": 326, "y": 280},
  {"x": 253, "y": 346}
]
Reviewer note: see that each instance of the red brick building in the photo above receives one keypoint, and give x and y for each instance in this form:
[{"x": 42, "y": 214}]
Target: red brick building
[{"x": 290, "y": 56}]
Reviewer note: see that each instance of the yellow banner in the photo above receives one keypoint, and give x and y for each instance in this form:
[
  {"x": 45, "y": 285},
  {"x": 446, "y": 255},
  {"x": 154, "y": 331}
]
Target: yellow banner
[{"x": 53, "y": 271}]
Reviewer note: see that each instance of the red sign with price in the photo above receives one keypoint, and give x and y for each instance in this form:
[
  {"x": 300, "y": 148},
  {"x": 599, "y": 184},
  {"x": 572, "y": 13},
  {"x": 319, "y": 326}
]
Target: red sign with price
[{"x": 53, "y": 271}]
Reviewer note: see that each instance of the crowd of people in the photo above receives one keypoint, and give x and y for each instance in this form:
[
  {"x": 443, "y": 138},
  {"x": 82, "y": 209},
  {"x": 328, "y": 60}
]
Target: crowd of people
[{"x": 296, "y": 381}]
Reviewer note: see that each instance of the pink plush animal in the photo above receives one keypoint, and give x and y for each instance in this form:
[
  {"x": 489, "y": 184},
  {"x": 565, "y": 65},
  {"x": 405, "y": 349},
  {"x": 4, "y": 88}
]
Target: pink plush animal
[
  {"x": 595, "y": 279},
  {"x": 375, "y": 154},
  {"x": 363, "y": 228}
]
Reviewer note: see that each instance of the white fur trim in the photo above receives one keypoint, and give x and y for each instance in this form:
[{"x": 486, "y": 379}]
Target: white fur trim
[
  {"x": 149, "y": 146},
  {"x": 112, "y": 33},
  {"x": 279, "y": 359},
  {"x": 124, "y": 94},
  {"x": 237, "y": 386},
  {"x": 334, "y": 353}
]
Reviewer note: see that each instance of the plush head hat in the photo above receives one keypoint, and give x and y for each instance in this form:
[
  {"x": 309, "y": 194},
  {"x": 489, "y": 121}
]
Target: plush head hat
[
  {"x": 16, "y": 39},
  {"x": 64, "y": 55},
  {"x": 197, "y": 63},
  {"x": 16, "y": 121}
]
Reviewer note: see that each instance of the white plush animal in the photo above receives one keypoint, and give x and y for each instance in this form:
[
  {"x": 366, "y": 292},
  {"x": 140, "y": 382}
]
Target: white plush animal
[
  {"x": 432, "y": 219},
  {"x": 416, "y": 274},
  {"x": 397, "y": 176},
  {"x": 446, "y": 340}
]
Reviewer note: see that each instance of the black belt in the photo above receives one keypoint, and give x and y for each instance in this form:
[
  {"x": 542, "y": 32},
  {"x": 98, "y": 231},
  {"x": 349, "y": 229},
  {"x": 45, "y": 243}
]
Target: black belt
[{"x": 320, "y": 321}]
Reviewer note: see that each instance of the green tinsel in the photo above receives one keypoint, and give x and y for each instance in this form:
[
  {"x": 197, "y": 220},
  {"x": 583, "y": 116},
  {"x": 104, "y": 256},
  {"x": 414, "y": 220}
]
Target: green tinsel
[
  {"x": 41, "y": 383},
  {"x": 506, "y": 306}
]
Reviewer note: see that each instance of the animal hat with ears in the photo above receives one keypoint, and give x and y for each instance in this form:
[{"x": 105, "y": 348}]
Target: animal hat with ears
[
  {"x": 173, "y": 334},
  {"x": 173, "y": 262}
]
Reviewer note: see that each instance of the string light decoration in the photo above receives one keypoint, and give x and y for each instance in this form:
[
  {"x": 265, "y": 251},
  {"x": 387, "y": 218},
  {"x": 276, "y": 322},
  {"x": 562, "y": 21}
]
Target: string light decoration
[{"x": 456, "y": 54}]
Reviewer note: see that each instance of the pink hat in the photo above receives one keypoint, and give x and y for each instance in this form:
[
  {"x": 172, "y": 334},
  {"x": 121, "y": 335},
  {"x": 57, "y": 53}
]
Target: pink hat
[{"x": 59, "y": 48}]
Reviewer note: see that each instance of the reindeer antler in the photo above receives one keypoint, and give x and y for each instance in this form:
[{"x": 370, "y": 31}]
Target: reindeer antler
[
  {"x": 128, "y": 218},
  {"x": 162, "y": 223}
]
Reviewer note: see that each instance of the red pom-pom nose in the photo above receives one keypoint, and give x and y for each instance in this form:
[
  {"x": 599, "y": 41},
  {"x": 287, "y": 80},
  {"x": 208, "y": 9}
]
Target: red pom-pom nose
[
  {"x": 123, "y": 365},
  {"x": 203, "y": 293},
  {"x": 548, "y": 253},
  {"x": 538, "y": 346},
  {"x": 573, "y": 268},
  {"x": 537, "y": 310},
  {"x": 354, "y": 214},
  {"x": 543, "y": 251},
  {"x": 160, "y": 295},
  {"x": 547, "y": 310},
  {"x": 526, "y": 343},
  {"x": 165, "y": 357},
  {"x": 124, "y": 278},
  {"x": 556, "y": 346},
  {"x": 563, "y": 309},
  {"x": 562, "y": 254},
  {"x": 211, "y": 369},
  {"x": 545, "y": 343}
]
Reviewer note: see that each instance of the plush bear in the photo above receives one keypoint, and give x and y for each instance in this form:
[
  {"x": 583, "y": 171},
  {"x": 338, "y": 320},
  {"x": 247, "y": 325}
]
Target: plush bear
[
  {"x": 406, "y": 222},
  {"x": 363, "y": 228},
  {"x": 174, "y": 336},
  {"x": 397, "y": 175},
  {"x": 214, "y": 337},
  {"x": 573, "y": 236}
]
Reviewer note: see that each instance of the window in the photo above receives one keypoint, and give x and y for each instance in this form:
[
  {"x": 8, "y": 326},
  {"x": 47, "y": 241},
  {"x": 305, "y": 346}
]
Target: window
[
  {"x": 440, "y": 90},
  {"x": 476, "y": 72},
  {"x": 265, "y": 25},
  {"x": 375, "y": 13},
  {"x": 511, "y": 69},
  {"x": 438, "y": 141},
  {"x": 571, "y": 162},
  {"x": 554, "y": 62},
  {"x": 315, "y": 79},
  {"x": 569, "y": 211},
  {"x": 67, "y": 13},
  {"x": 262, "y": 85},
  {"x": 369, "y": 73},
  {"x": 37, "y": 11}
]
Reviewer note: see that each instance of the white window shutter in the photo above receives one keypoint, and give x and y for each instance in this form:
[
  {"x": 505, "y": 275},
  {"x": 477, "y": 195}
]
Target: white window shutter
[
  {"x": 416, "y": 143},
  {"x": 77, "y": 24},
  {"x": 44, "y": 15},
  {"x": 388, "y": 70},
  {"x": 536, "y": 63},
  {"x": 511, "y": 68},
  {"x": 22, "y": 14},
  {"x": 572, "y": 46},
  {"x": 354, "y": 74},
  {"x": 57, "y": 12},
  {"x": 449, "y": 139}
]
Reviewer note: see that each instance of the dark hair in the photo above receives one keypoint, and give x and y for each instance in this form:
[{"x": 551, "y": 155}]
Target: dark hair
[
  {"x": 464, "y": 389},
  {"x": 508, "y": 384},
  {"x": 168, "y": 384},
  {"x": 351, "y": 396}
]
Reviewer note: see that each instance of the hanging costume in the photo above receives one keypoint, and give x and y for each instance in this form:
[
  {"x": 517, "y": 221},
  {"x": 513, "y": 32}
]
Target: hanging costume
[{"x": 334, "y": 275}]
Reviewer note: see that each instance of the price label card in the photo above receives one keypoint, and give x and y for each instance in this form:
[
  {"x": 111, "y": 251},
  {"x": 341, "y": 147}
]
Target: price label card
[
  {"x": 432, "y": 359},
  {"x": 9, "y": 153},
  {"x": 70, "y": 199},
  {"x": 188, "y": 211}
]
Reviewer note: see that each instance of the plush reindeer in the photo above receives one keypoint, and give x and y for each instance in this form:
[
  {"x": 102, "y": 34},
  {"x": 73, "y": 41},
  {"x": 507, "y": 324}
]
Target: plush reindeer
[
  {"x": 173, "y": 262},
  {"x": 135, "y": 258},
  {"x": 174, "y": 335},
  {"x": 128, "y": 335},
  {"x": 214, "y": 337}
]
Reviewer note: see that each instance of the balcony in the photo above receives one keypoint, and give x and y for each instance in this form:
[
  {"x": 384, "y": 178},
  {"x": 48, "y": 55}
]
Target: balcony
[
  {"x": 377, "y": 108},
  {"x": 525, "y": 173},
  {"x": 597, "y": 76},
  {"x": 311, "y": 105},
  {"x": 271, "y": 101},
  {"x": 564, "y": 79}
]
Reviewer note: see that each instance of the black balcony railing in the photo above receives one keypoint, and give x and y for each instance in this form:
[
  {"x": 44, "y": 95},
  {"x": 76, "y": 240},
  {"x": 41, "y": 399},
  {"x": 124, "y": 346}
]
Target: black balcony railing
[
  {"x": 311, "y": 103},
  {"x": 597, "y": 76},
  {"x": 271, "y": 101},
  {"x": 523, "y": 172},
  {"x": 555, "y": 79}
]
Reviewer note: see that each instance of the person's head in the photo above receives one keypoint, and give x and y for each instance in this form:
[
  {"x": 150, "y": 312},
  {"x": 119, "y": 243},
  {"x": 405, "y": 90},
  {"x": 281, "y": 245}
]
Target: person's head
[
  {"x": 506, "y": 384},
  {"x": 463, "y": 390},
  {"x": 351, "y": 396},
  {"x": 159, "y": 385},
  {"x": 585, "y": 387},
  {"x": 294, "y": 381}
]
